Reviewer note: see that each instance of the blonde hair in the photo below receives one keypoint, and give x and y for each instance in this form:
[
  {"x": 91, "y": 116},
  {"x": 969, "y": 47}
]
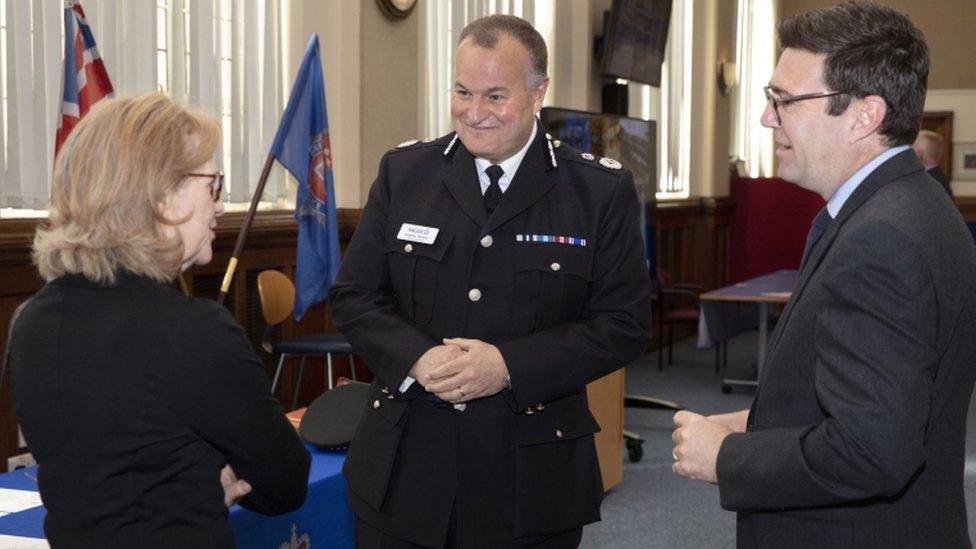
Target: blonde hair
[
  {"x": 110, "y": 179},
  {"x": 930, "y": 143}
]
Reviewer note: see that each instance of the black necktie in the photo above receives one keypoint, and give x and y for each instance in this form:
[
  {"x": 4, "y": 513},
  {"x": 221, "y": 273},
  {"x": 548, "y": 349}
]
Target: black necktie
[
  {"x": 817, "y": 229},
  {"x": 494, "y": 193}
]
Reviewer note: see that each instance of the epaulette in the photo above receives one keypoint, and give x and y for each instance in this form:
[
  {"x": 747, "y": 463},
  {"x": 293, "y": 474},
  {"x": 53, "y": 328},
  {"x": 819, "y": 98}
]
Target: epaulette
[
  {"x": 575, "y": 155},
  {"x": 417, "y": 144}
]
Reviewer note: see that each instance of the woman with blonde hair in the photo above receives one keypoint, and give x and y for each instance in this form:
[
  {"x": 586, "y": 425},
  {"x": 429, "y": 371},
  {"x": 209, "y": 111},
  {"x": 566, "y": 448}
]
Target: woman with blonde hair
[{"x": 147, "y": 411}]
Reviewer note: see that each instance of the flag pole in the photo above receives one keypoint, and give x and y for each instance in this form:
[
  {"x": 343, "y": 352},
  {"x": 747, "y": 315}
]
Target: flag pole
[{"x": 245, "y": 227}]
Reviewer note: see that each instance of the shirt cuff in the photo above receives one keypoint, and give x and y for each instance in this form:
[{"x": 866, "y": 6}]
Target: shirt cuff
[{"x": 407, "y": 382}]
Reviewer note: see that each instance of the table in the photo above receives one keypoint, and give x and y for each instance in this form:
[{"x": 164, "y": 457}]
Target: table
[
  {"x": 775, "y": 287},
  {"x": 324, "y": 521}
]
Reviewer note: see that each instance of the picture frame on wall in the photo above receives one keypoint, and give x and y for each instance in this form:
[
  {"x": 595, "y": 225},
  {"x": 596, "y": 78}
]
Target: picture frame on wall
[{"x": 964, "y": 161}]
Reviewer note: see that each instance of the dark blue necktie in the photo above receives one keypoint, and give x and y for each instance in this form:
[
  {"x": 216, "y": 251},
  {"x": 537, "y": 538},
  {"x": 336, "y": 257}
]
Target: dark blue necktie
[
  {"x": 817, "y": 229},
  {"x": 494, "y": 193}
]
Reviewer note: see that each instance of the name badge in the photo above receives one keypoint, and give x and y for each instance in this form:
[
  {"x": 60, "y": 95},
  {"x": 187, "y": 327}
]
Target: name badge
[{"x": 418, "y": 233}]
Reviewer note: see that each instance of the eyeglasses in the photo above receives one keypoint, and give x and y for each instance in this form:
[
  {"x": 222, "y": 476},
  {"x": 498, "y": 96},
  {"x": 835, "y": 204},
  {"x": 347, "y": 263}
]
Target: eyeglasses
[
  {"x": 777, "y": 103},
  {"x": 216, "y": 183}
]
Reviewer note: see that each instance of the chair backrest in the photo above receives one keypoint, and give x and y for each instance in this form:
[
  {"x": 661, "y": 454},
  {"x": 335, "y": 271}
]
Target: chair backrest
[
  {"x": 277, "y": 296},
  {"x": 664, "y": 281}
]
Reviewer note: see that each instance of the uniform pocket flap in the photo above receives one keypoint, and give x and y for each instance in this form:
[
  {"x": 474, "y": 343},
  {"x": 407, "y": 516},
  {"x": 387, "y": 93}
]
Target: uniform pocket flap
[
  {"x": 557, "y": 422},
  {"x": 555, "y": 259}
]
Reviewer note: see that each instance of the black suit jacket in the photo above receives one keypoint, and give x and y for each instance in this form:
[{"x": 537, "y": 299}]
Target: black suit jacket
[
  {"x": 132, "y": 398},
  {"x": 857, "y": 433},
  {"x": 520, "y": 462},
  {"x": 940, "y": 176}
]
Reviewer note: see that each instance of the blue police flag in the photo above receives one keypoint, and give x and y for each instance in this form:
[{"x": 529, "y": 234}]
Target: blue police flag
[{"x": 302, "y": 147}]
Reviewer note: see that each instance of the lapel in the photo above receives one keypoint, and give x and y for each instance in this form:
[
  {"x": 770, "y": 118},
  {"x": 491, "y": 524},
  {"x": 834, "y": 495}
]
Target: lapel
[
  {"x": 531, "y": 182},
  {"x": 894, "y": 168},
  {"x": 461, "y": 180}
]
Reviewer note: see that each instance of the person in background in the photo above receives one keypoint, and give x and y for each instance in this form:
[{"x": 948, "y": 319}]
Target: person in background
[
  {"x": 856, "y": 436},
  {"x": 928, "y": 147},
  {"x": 494, "y": 273},
  {"x": 147, "y": 411}
]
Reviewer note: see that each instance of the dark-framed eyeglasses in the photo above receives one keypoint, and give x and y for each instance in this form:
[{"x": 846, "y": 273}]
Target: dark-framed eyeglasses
[
  {"x": 216, "y": 183},
  {"x": 782, "y": 102}
]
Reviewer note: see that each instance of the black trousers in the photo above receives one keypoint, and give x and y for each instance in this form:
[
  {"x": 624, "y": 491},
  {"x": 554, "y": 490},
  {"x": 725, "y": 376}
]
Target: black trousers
[{"x": 368, "y": 537}]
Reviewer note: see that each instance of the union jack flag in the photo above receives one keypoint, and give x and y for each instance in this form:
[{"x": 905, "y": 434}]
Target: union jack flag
[{"x": 85, "y": 78}]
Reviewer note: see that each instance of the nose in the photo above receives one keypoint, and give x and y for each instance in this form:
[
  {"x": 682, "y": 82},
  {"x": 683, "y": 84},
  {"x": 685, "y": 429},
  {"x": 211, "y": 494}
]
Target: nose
[
  {"x": 477, "y": 111},
  {"x": 219, "y": 207},
  {"x": 768, "y": 118}
]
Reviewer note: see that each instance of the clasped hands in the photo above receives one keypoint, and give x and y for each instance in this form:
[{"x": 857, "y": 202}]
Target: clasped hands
[
  {"x": 461, "y": 370},
  {"x": 697, "y": 440}
]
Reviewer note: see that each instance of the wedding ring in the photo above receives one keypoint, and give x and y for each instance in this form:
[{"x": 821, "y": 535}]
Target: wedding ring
[{"x": 674, "y": 454}]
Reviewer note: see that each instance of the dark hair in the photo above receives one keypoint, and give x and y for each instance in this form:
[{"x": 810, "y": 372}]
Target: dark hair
[
  {"x": 871, "y": 50},
  {"x": 486, "y": 30}
]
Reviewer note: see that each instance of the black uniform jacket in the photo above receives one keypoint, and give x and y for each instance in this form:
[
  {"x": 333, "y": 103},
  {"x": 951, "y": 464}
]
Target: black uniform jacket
[
  {"x": 132, "y": 398},
  {"x": 857, "y": 432},
  {"x": 562, "y": 312}
]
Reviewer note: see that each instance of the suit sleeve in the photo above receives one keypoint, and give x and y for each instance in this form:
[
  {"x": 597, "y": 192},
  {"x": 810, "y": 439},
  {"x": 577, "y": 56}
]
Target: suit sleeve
[
  {"x": 876, "y": 361},
  {"x": 225, "y": 392},
  {"x": 614, "y": 326},
  {"x": 362, "y": 299}
]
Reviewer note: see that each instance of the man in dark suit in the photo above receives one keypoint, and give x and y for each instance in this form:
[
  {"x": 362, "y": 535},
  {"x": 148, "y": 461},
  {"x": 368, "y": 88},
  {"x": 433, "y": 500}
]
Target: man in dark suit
[
  {"x": 494, "y": 273},
  {"x": 928, "y": 147},
  {"x": 857, "y": 432}
]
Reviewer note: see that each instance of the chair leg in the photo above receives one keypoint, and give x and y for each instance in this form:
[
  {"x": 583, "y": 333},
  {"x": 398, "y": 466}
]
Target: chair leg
[
  {"x": 298, "y": 383},
  {"x": 660, "y": 346},
  {"x": 670, "y": 341},
  {"x": 328, "y": 369},
  {"x": 352, "y": 367},
  {"x": 281, "y": 363},
  {"x": 718, "y": 357}
]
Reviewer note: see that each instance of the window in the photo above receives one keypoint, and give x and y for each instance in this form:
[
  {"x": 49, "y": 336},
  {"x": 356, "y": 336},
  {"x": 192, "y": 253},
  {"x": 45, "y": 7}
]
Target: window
[
  {"x": 670, "y": 105},
  {"x": 444, "y": 22},
  {"x": 223, "y": 56},
  {"x": 755, "y": 44}
]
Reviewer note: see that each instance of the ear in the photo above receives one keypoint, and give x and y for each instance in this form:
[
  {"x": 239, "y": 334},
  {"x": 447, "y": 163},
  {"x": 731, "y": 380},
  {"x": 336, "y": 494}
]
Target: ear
[
  {"x": 871, "y": 112},
  {"x": 539, "y": 93}
]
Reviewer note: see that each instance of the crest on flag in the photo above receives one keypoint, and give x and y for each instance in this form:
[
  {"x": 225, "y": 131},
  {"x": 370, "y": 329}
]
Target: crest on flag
[{"x": 85, "y": 79}]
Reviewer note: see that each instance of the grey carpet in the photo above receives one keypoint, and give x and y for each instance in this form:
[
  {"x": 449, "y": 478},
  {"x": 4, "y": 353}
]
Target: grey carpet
[{"x": 653, "y": 508}]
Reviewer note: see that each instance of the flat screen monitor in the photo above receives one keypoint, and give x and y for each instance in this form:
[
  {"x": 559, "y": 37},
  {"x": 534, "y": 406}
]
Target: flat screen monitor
[
  {"x": 635, "y": 40},
  {"x": 631, "y": 141}
]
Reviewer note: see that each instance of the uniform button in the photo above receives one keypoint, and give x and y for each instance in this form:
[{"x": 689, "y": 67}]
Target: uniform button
[
  {"x": 559, "y": 434},
  {"x": 408, "y": 248},
  {"x": 555, "y": 266},
  {"x": 529, "y": 411},
  {"x": 487, "y": 241},
  {"x": 390, "y": 397},
  {"x": 474, "y": 294},
  {"x": 385, "y": 390},
  {"x": 540, "y": 407},
  {"x": 376, "y": 404}
]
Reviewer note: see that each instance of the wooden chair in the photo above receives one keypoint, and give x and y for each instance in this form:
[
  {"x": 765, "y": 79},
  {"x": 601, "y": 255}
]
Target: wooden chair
[{"x": 277, "y": 296}]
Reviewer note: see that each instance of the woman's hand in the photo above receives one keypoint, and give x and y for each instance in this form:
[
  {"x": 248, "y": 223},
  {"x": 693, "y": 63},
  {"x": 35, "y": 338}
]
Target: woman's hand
[{"x": 234, "y": 488}]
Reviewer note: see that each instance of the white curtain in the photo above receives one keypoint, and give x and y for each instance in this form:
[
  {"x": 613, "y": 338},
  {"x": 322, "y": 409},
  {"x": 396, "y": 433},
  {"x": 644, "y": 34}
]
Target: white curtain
[
  {"x": 755, "y": 50},
  {"x": 223, "y": 56},
  {"x": 444, "y": 21}
]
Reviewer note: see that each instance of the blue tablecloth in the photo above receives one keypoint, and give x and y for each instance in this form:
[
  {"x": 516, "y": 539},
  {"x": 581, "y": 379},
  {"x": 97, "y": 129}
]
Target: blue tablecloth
[
  {"x": 325, "y": 519},
  {"x": 737, "y": 314}
]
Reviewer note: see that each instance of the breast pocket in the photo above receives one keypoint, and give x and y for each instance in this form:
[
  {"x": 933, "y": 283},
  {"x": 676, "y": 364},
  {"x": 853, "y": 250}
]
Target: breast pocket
[
  {"x": 551, "y": 282},
  {"x": 414, "y": 268}
]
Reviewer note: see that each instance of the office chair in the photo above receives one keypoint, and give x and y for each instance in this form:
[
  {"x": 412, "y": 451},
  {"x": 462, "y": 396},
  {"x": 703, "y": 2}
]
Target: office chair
[{"x": 277, "y": 295}]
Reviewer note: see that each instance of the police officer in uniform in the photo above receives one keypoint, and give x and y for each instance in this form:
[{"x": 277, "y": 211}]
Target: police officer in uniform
[{"x": 494, "y": 273}]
